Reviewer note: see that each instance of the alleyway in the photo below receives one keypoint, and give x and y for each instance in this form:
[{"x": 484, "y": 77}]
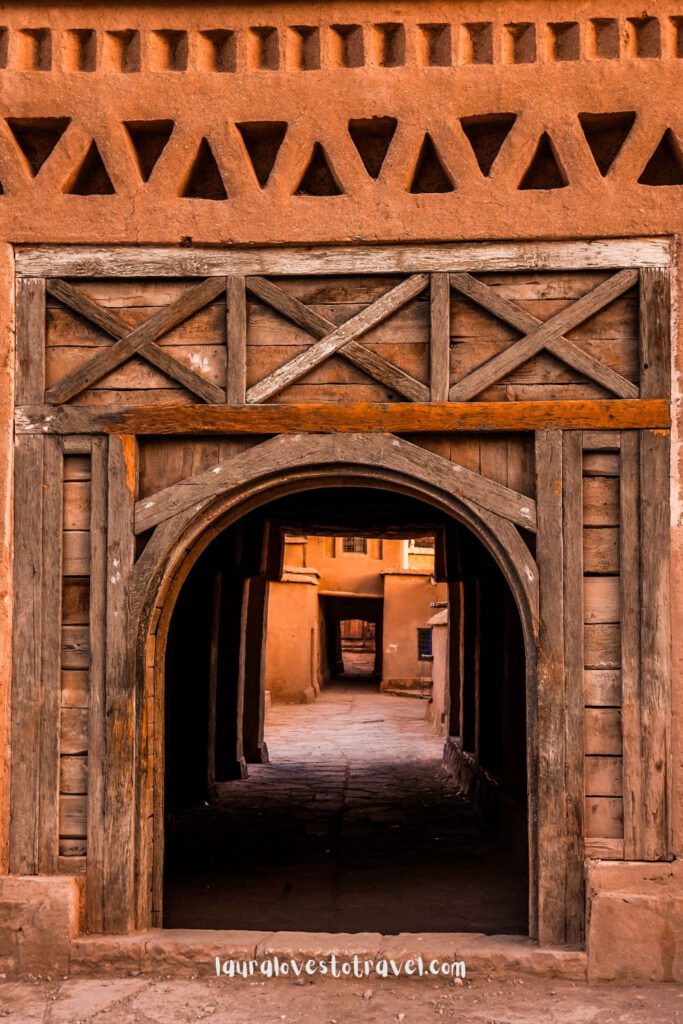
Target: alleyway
[{"x": 353, "y": 826}]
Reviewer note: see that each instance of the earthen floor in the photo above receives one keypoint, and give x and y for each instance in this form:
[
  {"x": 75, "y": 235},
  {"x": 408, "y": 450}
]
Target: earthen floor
[{"x": 353, "y": 826}]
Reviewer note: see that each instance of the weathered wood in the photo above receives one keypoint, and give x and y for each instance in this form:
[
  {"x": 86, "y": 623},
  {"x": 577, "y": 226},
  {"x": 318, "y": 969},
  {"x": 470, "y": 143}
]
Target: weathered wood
[
  {"x": 30, "y": 341},
  {"x": 439, "y": 343},
  {"x": 96, "y": 697},
  {"x": 312, "y": 449},
  {"x": 75, "y": 597},
  {"x": 75, "y": 647},
  {"x": 601, "y": 440},
  {"x": 604, "y": 849},
  {"x": 543, "y": 335},
  {"x": 601, "y": 464},
  {"x": 75, "y": 688},
  {"x": 73, "y": 816},
  {"x": 601, "y": 501},
  {"x": 603, "y": 731},
  {"x": 655, "y": 333},
  {"x": 602, "y": 645},
  {"x": 353, "y": 329},
  {"x": 252, "y": 668},
  {"x": 604, "y": 817},
  {"x": 575, "y": 608},
  {"x": 604, "y": 776},
  {"x": 74, "y": 731},
  {"x": 76, "y": 554},
  {"x": 654, "y": 825},
  {"x": 70, "y": 864},
  {"x": 550, "y": 727},
  {"x": 601, "y": 598},
  {"x": 119, "y": 693},
  {"x": 601, "y": 550},
  {"x": 629, "y": 530},
  {"x": 169, "y": 261},
  {"x": 236, "y": 387},
  {"x": 73, "y": 775},
  {"x": 27, "y": 629},
  {"x": 134, "y": 341},
  {"x": 326, "y": 417},
  {"x": 49, "y": 747},
  {"x": 602, "y": 687},
  {"x": 561, "y": 347}
]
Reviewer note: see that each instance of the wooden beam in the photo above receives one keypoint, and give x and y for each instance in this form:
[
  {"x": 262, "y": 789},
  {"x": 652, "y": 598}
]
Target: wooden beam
[
  {"x": 119, "y": 710},
  {"x": 543, "y": 335},
  {"x": 160, "y": 323},
  {"x": 327, "y": 417},
  {"x": 550, "y": 711},
  {"x": 236, "y": 389},
  {"x": 337, "y": 339},
  {"x": 655, "y": 332},
  {"x": 629, "y": 578},
  {"x": 169, "y": 261},
  {"x": 440, "y": 337},
  {"x": 30, "y": 355},
  {"x": 319, "y": 449},
  {"x": 563, "y": 348},
  {"x": 572, "y": 551}
]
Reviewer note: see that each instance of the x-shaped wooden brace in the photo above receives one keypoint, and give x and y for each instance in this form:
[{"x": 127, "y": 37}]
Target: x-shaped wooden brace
[
  {"x": 139, "y": 341},
  {"x": 343, "y": 339},
  {"x": 543, "y": 335}
]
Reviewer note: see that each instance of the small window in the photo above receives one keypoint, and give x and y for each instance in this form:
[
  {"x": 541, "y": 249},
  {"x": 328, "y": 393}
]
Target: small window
[
  {"x": 355, "y": 545},
  {"x": 424, "y": 644}
]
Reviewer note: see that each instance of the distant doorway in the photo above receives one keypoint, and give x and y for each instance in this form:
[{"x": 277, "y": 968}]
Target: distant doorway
[{"x": 358, "y": 642}]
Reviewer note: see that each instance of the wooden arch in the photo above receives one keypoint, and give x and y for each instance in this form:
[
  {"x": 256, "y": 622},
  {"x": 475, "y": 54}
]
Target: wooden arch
[{"x": 192, "y": 513}]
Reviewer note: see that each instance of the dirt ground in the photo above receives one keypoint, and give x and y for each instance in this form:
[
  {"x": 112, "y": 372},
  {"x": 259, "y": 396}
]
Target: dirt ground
[{"x": 325, "y": 1001}]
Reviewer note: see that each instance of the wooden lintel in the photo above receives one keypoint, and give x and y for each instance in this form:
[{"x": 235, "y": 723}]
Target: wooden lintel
[{"x": 325, "y": 418}]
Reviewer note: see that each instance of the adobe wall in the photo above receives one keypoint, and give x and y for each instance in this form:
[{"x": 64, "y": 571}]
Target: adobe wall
[
  {"x": 609, "y": 59},
  {"x": 292, "y": 662},
  {"x": 407, "y": 597}
]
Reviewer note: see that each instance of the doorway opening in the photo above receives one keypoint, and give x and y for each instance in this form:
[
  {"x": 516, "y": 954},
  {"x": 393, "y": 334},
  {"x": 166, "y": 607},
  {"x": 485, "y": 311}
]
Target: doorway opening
[{"x": 345, "y": 745}]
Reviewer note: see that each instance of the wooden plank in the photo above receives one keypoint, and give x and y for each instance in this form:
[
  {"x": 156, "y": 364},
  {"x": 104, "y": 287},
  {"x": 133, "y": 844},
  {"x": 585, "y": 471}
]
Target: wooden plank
[
  {"x": 630, "y": 638},
  {"x": 655, "y": 332},
  {"x": 169, "y": 261},
  {"x": 119, "y": 692},
  {"x": 605, "y": 849},
  {"x": 439, "y": 338},
  {"x": 76, "y": 467},
  {"x": 603, "y": 731},
  {"x": 602, "y": 687},
  {"x": 75, "y": 688},
  {"x": 75, "y": 647},
  {"x": 601, "y": 501},
  {"x": 330, "y": 418},
  {"x": 604, "y": 776},
  {"x": 96, "y": 694},
  {"x": 601, "y": 598},
  {"x": 601, "y": 464},
  {"x": 49, "y": 746},
  {"x": 542, "y": 336},
  {"x": 271, "y": 455},
  {"x": 602, "y": 645},
  {"x": 601, "y": 440},
  {"x": 74, "y": 731},
  {"x": 30, "y": 341},
  {"x": 73, "y": 816},
  {"x": 574, "y": 614},
  {"x": 71, "y": 864},
  {"x": 350, "y": 331},
  {"x": 108, "y": 359},
  {"x": 552, "y": 824},
  {"x": 75, "y": 599},
  {"x": 524, "y": 321},
  {"x": 77, "y": 505},
  {"x": 654, "y": 825},
  {"x": 604, "y": 817},
  {"x": 236, "y": 391},
  {"x": 76, "y": 553},
  {"x": 601, "y": 550},
  {"x": 73, "y": 775},
  {"x": 27, "y": 628}
]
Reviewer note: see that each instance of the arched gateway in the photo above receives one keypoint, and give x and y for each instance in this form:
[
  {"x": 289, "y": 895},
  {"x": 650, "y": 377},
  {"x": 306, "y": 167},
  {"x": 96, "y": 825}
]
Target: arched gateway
[{"x": 161, "y": 398}]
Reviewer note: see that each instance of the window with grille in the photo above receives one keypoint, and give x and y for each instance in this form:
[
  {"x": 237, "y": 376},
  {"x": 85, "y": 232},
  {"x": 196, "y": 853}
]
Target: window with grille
[
  {"x": 424, "y": 644},
  {"x": 355, "y": 545}
]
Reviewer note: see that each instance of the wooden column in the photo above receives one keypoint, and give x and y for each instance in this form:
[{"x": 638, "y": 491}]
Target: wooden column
[
  {"x": 29, "y": 591},
  {"x": 440, "y": 337},
  {"x": 550, "y": 712},
  {"x": 119, "y": 695},
  {"x": 237, "y": 342},
  {"x": 252, "y": 669},
  {"x": 572, "y": 551}
]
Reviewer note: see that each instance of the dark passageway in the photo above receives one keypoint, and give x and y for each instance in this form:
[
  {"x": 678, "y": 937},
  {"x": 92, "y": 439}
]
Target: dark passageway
[{"x": 347, "y": 813}]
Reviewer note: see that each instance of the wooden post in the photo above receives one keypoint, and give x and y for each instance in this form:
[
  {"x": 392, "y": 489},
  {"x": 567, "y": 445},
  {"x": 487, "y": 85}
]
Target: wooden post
[
  {"x": 48, "y": 790},
  {"x": 119, "y": 782},
  {"x": 98, "y": 631},
  {"x": 252, "y": 666},
  {"x": 236, "y": 388},
  {"x": 440, "y": 337},
  {"x": 552, "y": 852},
  {"x": 572, "y": 546}
]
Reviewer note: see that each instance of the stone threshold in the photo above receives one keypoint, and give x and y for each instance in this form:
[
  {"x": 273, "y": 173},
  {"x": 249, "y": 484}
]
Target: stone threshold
[{"x": 191, "y": 952}]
